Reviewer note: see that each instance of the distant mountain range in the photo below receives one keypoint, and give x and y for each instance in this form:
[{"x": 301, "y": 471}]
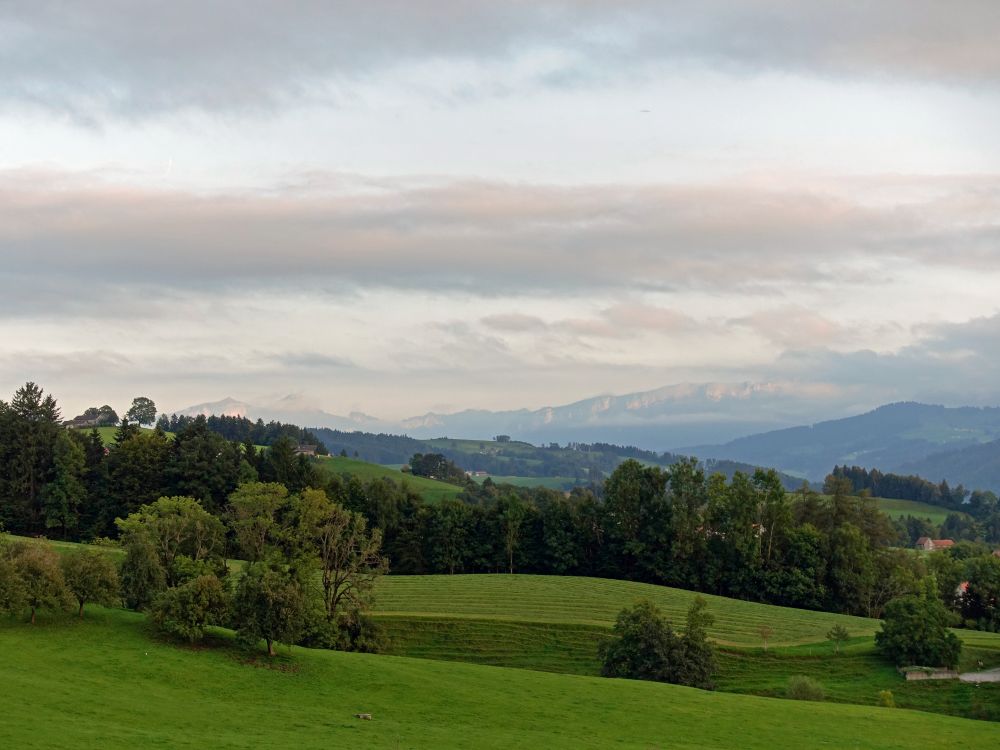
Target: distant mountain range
[
  {"x": 659, "y": 420},
  {"x": 722, "y": 421}
]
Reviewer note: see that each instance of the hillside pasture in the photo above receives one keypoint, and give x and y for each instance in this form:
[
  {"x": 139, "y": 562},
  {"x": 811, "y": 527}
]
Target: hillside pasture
[
  {"x": 595, "y": 602},
  {"x": 431, "y": 490},
  {"x": 903, "y": 508},
  {"x": 104, "y": 682},
  {"x": 551, "y": 483}
]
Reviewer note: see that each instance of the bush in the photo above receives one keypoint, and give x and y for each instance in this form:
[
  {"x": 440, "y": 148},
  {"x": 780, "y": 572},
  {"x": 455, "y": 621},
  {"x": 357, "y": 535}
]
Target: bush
[
  {"x": 915, "y": 631},
  {"x": 186, "y": 610},
  {"x": 802, "y": 688},
  {"x": 885, "y": 699},
  {"x": 645, "y": 647},
  {"x": 91, "y": 576}
]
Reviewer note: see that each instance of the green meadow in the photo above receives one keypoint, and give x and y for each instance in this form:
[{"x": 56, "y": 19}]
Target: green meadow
[
  {"x": 106, "y": 682},
  {"x": 595, "y": 602},
  {"x": 431, "y": 490},
  {"x": 552, "y": 483},
  {"x": 903, "y": 508},
  {"x": 555, "y": 624}
]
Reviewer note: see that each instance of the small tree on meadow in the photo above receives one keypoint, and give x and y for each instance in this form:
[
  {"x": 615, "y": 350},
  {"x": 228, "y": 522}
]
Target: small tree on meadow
[
  {"x": 142, "y": 411},
  {"x": 697, "y": 666},
  {"x": 765, "y": 631},
  {"x": 91, "y": 576},
  {"x": 270, "y": 606},
  {"x": 348, "y": 554},
  {"x": 645, "y": 647},
  {"x": 915, "y": 631},
  {"x": 12, "y": 594},
  {"x": 142, "y": 574},
  {"x": 38, "y": 568},
  {"x": 837, "y": 635},
  {"x": 186, "y": 610}
]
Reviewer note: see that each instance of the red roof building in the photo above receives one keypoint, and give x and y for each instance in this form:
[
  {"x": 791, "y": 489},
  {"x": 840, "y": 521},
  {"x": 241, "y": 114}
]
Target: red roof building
[{"x": 929, "y": 545}]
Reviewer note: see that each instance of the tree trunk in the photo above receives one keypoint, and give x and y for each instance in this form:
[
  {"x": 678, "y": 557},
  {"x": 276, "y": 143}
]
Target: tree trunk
[
  {"x": 270, "y": 647},
  {"x": 32, "y": 615},
  {"x": 80, "y": 613}
]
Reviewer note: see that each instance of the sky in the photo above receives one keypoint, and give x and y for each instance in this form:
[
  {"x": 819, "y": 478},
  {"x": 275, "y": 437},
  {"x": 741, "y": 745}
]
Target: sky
[{"x": 403, "y": 206}]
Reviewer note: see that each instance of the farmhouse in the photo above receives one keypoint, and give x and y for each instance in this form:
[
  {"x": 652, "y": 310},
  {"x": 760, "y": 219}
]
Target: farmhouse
[
  {"x": 929, "y": 545},
  {"x": 305, "y": 450},
  {"x": 83, "y": 422}
]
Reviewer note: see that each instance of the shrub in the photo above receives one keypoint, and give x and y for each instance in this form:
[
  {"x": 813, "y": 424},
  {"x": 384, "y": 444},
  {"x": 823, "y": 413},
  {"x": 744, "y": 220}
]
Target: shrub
[
  {"x": 885, "y": 699},
  {"x": 802, "y": 688},
  {"x": 645, "y": 647},
  {"x": 915, "y": 631},
  {"x": 142, "y": 575},
  {"x": 12, "y": 593},
  {"x": 90, "y": 576},
  {"x": 186, "y": 610},
  {"x": 38, "y": 568}
]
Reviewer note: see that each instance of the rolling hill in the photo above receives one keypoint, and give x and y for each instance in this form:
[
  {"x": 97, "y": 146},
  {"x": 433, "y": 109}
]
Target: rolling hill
[
  {"x": 889, "y": 438},
  {"x": 104, "y": 682},
  {"x": 431, "y": 490},
  {"x": 595, "y": 602},
  {"x": 975, "y": 466}
]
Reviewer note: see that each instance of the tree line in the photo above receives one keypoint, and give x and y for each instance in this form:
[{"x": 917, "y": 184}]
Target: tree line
[
  {"x": 744, "y": 537},
  {"x": 243, "y": 430},
  {"x": 900, "y": 487},
  {"x": 309, "y": 567},
  {"x": 67, "y": 484}
]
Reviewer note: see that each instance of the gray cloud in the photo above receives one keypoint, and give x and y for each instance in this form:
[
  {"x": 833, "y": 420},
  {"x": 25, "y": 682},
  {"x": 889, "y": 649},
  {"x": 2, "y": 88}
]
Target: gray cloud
[
  {"x": 488, "y": 238},
  {"x": 952, "y": 363},
  {"x": 136, "y": 59},
  {"x": 312, "y": 361}
]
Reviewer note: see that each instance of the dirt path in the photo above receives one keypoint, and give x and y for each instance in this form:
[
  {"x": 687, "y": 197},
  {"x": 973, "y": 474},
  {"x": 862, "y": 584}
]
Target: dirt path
[{"x": 989, "y": 675}]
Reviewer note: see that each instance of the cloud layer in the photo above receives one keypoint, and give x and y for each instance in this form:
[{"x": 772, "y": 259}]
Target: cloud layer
[
  {"x": 402, "y": 206},
  {"x": 138, "y": 59}
]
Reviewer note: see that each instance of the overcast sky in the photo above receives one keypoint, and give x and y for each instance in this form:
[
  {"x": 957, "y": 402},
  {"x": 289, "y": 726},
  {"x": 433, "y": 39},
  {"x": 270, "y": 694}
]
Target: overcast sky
[{"x": 407, "y": 205}]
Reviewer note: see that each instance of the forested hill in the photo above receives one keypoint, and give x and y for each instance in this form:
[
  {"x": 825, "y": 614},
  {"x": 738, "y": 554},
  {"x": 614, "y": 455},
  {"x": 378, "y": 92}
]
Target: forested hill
[
  {"x": 243, "y": 430},
  {"x": 974, "y": 466},
  {"x": 893, "y": 438},
  {"x": 582, "y": 462}
]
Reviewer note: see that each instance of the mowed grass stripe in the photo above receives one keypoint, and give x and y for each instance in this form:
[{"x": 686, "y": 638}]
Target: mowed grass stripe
[{"x": 596, "y": 602}]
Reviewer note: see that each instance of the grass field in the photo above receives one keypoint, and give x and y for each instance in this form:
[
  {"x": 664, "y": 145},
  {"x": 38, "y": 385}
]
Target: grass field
[
  {"x": 555, "y": 624},
  {"x": 903, "y": 508},
  {"x": 552, "y": 483},
  {"x": 108, "y": 434},
  {"x": 105, "y": 683},
  {"x": 431, "y": 490},
  {"x": 595, "y": 602}
]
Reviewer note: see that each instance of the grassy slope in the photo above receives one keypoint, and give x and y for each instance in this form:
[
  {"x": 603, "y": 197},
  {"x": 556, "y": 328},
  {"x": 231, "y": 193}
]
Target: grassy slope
[
  {"x": 555, "y": 624},
  {"x": 431, "y": 490},
  {"x": 902, "y": 508},
  {"x": 595, "y": 602},
  {"x": 108, "y": 434},
  {"x": 552, "y": 483},
  {"x": 104, "y": 683}
]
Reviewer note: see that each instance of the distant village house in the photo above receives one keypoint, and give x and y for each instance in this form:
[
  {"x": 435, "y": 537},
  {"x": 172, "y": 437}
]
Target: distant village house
[
  {"x": 305, "y": 450},
  {"x": 929, "y": 545}
]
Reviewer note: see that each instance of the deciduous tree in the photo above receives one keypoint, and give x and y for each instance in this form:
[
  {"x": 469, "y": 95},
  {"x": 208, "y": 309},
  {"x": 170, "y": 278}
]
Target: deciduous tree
[
  {"x": 91, "y": 576},
  {"x": 37, "y": 565},
  {"x": 186, "y": 610},
  {"x": 915, "y": 631}
]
